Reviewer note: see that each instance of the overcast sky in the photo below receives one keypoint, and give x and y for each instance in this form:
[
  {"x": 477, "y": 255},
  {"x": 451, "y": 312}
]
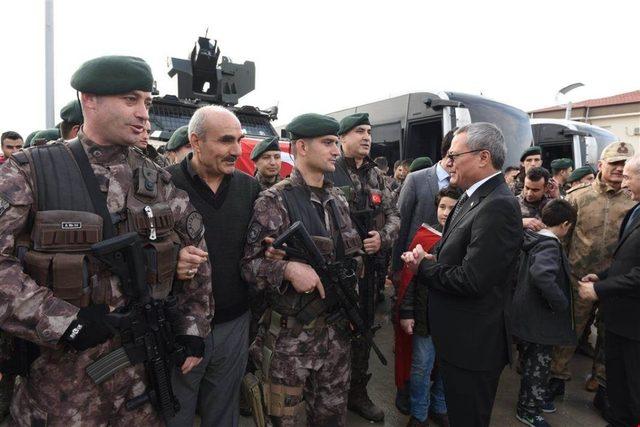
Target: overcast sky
[{"x": 328, "y": 55}]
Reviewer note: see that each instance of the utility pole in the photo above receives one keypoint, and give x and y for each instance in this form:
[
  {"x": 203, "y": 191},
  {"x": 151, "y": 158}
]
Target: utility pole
[
  {"x": 564, "y": 91},
  {"x": 48, "y": 68}
]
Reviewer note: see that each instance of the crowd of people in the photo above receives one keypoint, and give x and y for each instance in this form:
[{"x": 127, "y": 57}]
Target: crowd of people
[{"x": 482, "y": 262}]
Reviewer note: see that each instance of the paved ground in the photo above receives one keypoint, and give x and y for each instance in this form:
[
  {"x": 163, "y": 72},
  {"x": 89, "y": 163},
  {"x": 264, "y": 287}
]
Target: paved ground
[{"x": 573, "y": 411}]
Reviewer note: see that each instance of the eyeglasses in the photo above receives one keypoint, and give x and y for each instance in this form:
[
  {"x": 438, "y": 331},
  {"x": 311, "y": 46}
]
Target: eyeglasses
[{"x": 452, "y": 157}]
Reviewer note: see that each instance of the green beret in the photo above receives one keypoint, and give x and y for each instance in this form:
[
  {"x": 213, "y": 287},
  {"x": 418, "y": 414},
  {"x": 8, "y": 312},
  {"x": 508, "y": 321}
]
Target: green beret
[
  {"x": 563, "y": 163},
  {"x": 352, "y": 121},
  {"x": 44, "y": 136},
  {"x": 179, "y": 139},
  {"x": 530, "y": 152},
  {"x": 312, "y": 125},
  {"x": 27, "y": 142},
  {"x": 580, "y": 173},
  {"x": 267, "y": 144},
  {"x": 420, "y": 163},
  {"x": 113, "y": 75},
  {"x": 72, "y": 113}
]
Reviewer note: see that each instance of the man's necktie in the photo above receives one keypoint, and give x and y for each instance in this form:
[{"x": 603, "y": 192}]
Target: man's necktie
[{"x": 458, "y": 207}]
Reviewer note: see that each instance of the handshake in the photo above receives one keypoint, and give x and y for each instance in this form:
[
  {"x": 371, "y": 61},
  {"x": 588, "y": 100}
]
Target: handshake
[
  {"x": 586, "y": 289},
  {"x": 412, "y": 259}
]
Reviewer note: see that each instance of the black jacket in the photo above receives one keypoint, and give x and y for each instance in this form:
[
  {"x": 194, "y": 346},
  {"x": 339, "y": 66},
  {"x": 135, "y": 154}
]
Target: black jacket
[
  {"x": 619, "y": 289},
  {"x": 541, "y": 310},
  {"x": 469, "y": 285}
]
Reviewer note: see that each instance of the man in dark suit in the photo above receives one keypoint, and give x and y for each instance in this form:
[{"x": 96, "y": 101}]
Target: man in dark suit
[
  {"x": 469, "y": 278},
  {"x": 618, "y": 290}
]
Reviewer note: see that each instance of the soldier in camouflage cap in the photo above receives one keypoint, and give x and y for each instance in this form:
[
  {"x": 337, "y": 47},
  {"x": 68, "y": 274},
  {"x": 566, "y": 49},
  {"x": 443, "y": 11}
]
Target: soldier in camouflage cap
[
  {"x": 377, "y": 219},
  {"x": 304, "y": 362},
  {"x": 60, "y": 296},
  {"x": 267, "y": 158},
  {"x": 601, "y": 207}
]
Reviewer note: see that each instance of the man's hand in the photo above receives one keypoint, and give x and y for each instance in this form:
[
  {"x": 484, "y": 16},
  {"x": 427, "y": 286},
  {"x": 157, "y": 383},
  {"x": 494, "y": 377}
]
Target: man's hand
[
  {"x": 272, "y": 253},
  {"x": 407, "y": 325},
  {"x": 190, "y": 363},
  {"x": 412, "y": 259},
  {"x": 189, "y": 259},
  {"x": 586, "y": 291},
  {"x": 590, "y": 278},
  {"x": 372, "y": 244},
  {"x": 532, "y": 224},
  {"x": 303, "y": 278},
  {"x": 553, "y": 189}
]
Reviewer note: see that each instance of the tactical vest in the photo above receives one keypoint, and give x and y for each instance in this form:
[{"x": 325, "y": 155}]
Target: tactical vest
[
  {"x": 64, "y": 224},
  {"x": 363, "y": 204},
  {"x": 333, "y": 247}
]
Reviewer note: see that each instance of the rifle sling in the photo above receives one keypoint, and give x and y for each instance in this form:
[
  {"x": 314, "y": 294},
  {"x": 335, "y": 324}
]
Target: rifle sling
[{"x": 91, "y": 182}]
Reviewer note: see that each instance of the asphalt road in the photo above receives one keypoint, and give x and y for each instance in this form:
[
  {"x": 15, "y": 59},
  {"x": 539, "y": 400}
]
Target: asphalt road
[{"x": 573, "y": 411}]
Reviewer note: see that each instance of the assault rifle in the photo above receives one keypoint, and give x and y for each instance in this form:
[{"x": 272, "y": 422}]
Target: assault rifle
[
  {"x": 145, "y": 325},
  {"x": 338, "y": 279}
]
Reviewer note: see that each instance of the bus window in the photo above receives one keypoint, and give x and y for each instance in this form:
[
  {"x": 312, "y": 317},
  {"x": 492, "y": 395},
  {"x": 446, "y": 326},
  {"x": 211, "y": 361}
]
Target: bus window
[{"x": 424, "y": 139}]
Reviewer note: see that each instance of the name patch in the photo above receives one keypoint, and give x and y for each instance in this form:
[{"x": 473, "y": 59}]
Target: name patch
[{"x": 71, "y": 225}]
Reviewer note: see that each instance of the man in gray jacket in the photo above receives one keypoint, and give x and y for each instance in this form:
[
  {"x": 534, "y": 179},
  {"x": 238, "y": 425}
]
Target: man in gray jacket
[{"x": 416, "y": 201}]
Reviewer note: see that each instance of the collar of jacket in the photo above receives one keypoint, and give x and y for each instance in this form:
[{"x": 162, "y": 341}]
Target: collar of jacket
[
  {"x": 603, "y": 187},
  {"x": 297, "y": 179},
  {"x": 103, "y": 154},
  {"x": 367, "y": 163}
]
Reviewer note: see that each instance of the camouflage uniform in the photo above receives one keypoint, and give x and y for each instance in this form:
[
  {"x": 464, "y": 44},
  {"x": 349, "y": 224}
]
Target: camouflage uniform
[
  {"x": 536, "y": 359},
  {"x": 312, "y": 365},
  {"x": 590, "y": 247},
  {"x": 152, "y": 154},
  {"x": 530, "y": 210},
  {"x": 58, "y": 391},
  {"x": 265, "y": 182},
  {"x": 362, "y": 180},
  {"x": 517, "y": 185}
]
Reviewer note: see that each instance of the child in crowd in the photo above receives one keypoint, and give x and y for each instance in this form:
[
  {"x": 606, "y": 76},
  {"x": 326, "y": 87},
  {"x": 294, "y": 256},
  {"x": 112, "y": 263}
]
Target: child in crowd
[
  {"x": 426, "y": 399},
  {"x": 542, "y": 310}
]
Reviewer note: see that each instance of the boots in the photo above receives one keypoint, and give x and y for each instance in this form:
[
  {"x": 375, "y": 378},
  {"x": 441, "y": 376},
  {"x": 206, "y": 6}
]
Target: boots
[
  {"x": 361, "y": 404},
  {"x": 601, "y": 403},
  {"x": 556, "y": 388}
]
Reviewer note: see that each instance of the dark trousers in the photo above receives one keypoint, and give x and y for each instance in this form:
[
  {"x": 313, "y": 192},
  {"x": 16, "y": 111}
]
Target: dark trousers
[
  {"x": 536, "y": 365},
  {"x": 469, "y": 394},
  {"x": 623, "y": 379}
]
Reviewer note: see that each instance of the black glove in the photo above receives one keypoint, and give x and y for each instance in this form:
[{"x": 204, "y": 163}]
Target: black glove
[
  {"x": 193, "y": 346},
  {"x": 89, "y": 329}
]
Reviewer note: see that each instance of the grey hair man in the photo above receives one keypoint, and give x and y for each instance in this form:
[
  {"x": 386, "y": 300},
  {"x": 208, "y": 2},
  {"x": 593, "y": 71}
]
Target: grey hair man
[
  {"x": 224, "y": 197},
  {"x": 468, "y": 289}
]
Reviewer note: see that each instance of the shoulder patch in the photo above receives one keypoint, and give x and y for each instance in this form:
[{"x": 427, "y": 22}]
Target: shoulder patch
[
  {"x": 195, "y": 226},
  {"x": 4, "y": 205},
  {"x": 253, "y": 233}
]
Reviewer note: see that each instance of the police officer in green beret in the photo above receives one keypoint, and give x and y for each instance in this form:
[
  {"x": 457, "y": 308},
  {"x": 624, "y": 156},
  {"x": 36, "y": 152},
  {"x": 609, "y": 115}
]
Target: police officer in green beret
[
  {"x": 149, "y": 150},
  {"x": 530, "y": 158},
  {"x": 43, "y": 136},
  {"x": 267, "y": 158},
  {"x": 60, "y": 295},
  {"x": 178, "y": 146},
  {"x": 72, "y": 119},
  {"x": 561, "y": 169},
  {"x": 420, "y": 163},
  {"x": 580, "y": 176},
  {"x": 304, "y": 362},
  {"x": 375, "y": 216}
]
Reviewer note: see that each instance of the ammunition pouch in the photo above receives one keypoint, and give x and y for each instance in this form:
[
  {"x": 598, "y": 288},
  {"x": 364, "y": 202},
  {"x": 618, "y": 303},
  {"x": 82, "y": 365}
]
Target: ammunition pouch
[
  {"x": 59, "y": 257},
  {"x": 283, "y": 401}
]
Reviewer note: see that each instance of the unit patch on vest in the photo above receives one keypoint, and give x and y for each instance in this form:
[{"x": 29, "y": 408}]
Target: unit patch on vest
[
  {"x": 4, "y": 205},
  {"x": 195, "y": 226}
]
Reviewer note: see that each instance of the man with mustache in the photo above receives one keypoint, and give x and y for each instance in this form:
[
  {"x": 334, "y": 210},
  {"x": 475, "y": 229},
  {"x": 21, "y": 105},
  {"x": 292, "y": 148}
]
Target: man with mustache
[
  {"x": 601, "y": 208},
  {"x": 376, "y": 218},
  {"x": 224, "y": 197}
]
